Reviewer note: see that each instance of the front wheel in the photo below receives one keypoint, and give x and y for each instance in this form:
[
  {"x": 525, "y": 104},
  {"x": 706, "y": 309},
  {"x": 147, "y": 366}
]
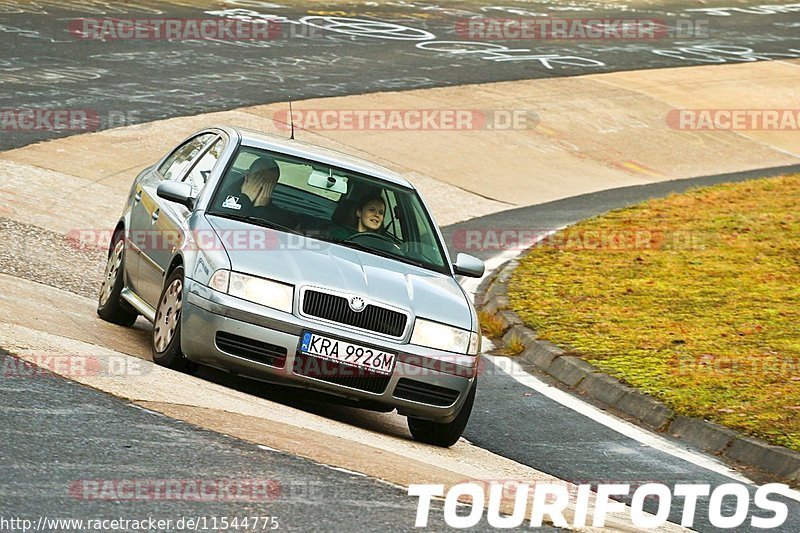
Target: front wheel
[
  {"x": 110, "y": 306},
  {"x": 167, "y": 327},
  {"x": 444, "y": 434}
]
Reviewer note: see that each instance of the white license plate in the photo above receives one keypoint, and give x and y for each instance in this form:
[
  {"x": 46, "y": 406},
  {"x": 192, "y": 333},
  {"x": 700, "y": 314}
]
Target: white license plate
[{"x": 345, "y": 352}]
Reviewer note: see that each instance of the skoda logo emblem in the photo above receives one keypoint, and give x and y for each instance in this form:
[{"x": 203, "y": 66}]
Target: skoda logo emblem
[{"x": 357, "y": 304}]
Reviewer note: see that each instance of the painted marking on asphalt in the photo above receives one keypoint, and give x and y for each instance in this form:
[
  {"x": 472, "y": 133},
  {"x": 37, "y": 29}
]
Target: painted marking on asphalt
[
  {"x": 471, "y": 284},
  {"x": 622, "y": 427},
  {"x": 346, "y": 471},
  {"x": 640, "y": 169}
]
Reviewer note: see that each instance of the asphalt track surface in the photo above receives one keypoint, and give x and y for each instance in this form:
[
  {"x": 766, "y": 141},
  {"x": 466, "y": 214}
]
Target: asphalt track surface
[
  {"x": 320, "y": 50},
  {"x": 63, "y": 432},
  {"x": 73, "y": 433},
  {"x": 66, "y": 451}
]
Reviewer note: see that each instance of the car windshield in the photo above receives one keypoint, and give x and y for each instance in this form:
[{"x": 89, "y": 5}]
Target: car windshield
[{"x": 330, "y": 204}]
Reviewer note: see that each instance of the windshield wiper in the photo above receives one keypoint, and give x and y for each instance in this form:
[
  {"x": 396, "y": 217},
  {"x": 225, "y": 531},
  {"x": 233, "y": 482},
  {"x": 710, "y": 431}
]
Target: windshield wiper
[
  {"x": 259, "y": 221},
  {"x": 382, "y": 253}
]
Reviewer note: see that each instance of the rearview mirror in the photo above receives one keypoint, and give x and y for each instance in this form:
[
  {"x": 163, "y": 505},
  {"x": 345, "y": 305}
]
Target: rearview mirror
[
  {"x": 327, "y": 181},
  {"x": 467, "y": 265},
  {"x": 177, "y": 192}
]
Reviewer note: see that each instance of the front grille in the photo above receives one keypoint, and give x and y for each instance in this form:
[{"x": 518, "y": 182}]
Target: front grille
[
  {"x": 253, "y": 350},
  {"x": 336, "y": 309},
  {"x": 340, "y": 374},
  {"x": 416, "y": 391}
]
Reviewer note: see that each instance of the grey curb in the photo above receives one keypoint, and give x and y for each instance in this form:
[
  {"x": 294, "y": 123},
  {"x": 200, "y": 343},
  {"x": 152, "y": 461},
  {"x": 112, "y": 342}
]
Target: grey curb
[
  {"x": 714, "y": 438},
  {"x": 570, "y": 370},
  {"x": 492, "y": 297}
]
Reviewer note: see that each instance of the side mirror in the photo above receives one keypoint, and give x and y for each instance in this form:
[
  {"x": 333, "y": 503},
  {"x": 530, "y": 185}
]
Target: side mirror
[
  {"x": 178, "y": 192},
  {"x": 467, "y": 265}
]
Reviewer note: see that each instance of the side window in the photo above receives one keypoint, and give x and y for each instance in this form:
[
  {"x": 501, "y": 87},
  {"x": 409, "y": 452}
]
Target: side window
[
  {"x": 198, "y": 176},
  {"x": 174, "y": 166}
]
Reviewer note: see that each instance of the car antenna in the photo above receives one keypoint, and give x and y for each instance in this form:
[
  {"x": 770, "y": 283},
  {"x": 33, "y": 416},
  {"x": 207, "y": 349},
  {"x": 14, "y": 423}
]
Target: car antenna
[{"x": 291, "y": 119}]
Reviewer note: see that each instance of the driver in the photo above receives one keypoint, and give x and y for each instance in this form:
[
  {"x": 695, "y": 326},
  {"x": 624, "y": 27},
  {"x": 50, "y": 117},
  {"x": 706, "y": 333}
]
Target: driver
[{"x": 369, "y": 215}]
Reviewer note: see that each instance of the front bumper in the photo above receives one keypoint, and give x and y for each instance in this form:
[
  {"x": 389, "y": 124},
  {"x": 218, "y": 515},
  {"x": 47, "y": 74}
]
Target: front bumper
[{"x": 245, "y": 338}]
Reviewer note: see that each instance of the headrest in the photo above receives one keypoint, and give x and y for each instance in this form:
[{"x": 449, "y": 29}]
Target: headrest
[{"x": 345, "y": 213}]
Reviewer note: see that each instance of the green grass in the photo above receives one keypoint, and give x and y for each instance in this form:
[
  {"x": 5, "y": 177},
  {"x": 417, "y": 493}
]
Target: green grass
[{"x": 697, "y": 304}]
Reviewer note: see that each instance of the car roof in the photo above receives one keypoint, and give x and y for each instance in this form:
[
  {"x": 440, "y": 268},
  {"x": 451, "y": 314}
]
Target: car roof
[{"x": 303, "y": 150}]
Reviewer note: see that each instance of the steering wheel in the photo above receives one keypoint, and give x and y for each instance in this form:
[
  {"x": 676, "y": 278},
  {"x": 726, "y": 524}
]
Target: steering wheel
[{"x": 389, "y": 239}]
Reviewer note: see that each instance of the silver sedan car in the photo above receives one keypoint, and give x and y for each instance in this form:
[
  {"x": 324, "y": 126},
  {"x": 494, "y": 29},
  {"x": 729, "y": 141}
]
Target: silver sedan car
[{"x": 290, "y": 263}]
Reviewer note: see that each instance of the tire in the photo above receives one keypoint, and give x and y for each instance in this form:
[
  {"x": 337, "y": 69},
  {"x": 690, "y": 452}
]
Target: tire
[
  {"x": 110, "y": 306},
  {"x": 444, "y": 434},
  {"x": 166, "y": 342}
]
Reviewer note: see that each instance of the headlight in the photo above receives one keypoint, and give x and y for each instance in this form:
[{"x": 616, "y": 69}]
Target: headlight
[
  {"x": 443, "y": 337},
  {"x": 257, "y": 290}
]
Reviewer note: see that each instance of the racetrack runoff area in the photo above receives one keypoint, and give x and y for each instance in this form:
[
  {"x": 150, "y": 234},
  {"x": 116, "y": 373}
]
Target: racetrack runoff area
[{"x": 591, "y": 133}]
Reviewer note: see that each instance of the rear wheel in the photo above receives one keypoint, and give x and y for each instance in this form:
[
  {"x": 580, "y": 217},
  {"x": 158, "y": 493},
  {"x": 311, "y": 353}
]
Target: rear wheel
[
  {"x": 110, "y": 306},
  {"x": 167, "y": 327},
  {"x": 444, "y": 434}
]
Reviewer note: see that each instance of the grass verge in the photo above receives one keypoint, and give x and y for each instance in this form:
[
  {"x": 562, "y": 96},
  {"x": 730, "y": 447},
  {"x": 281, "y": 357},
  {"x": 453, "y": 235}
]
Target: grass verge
[
  {"x": 491, "y": 325},
  {"x": 694, "y": 299}
]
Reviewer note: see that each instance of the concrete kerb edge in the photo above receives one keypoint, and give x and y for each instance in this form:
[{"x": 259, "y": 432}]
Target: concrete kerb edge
[{"x": 492, "y": 297}]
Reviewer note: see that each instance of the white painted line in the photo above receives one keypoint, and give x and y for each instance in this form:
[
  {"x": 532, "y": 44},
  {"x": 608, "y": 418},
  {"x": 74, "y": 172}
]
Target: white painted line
[
  {"x": 620, "y": 426},
  {"x": 623, "y": 427},
  {"x": 345, "y": 470},
  {"x": 471, "y": 284}
]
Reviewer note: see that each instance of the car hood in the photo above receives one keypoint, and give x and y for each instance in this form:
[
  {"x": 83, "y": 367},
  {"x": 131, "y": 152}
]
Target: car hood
[{"x": 301, "y": 261}]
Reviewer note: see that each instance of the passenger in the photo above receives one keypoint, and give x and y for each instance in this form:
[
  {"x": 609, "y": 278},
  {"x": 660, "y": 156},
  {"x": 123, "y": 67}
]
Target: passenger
[
  {"x": 258, "y": 186},
  {"x": 255, "y": 198},
  {"x": 368, "y": 217}
]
